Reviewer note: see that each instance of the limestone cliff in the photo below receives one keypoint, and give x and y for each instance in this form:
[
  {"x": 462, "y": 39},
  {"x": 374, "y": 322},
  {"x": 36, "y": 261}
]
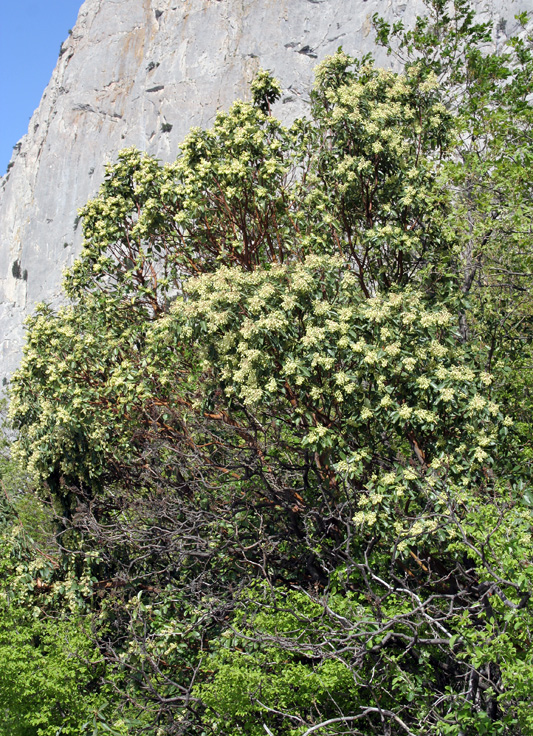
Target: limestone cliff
[{"x": 142, "y": 72}]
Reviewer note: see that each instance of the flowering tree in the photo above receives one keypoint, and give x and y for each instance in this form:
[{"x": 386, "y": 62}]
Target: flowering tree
[{"x": 286, "y": 476}]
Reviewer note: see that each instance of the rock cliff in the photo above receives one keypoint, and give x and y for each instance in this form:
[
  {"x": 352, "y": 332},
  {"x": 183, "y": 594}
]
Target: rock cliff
[{"x": 142, "y": 72}]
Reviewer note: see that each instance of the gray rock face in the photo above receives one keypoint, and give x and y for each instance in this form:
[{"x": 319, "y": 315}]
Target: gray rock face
[{"x": 142, "y": 72}]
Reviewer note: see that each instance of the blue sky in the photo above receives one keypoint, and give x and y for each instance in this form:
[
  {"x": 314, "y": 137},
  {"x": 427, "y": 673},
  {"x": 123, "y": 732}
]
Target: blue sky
[{"x": 31, "y": 32}]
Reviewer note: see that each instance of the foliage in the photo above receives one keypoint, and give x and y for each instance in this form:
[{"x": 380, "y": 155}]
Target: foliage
[
  {"x": 45, "y": 683},
  {"x": 49, "y": 667},
  {"x": 490, "y": 173},
  {"x": 277, "y": 422}
]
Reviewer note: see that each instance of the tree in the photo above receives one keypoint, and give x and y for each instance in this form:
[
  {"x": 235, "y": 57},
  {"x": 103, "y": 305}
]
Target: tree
[
  {"x": 284, "y": 466},
  {"x": 487, "y": 84}
]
